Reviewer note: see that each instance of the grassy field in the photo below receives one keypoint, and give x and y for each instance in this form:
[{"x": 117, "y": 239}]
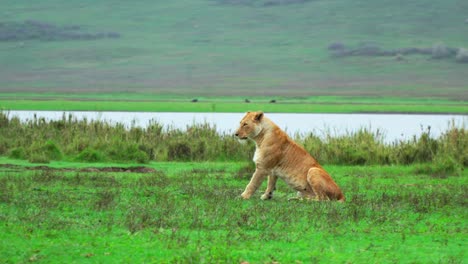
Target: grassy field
[
  {"x": 189, "y": 212},
  {"x": 174, "y": 103},
  {"x": 233, "y": 48}
]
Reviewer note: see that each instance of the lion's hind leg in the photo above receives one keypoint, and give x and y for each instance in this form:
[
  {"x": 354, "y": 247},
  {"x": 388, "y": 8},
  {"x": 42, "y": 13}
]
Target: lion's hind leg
[{"x": 323, "y": 185}]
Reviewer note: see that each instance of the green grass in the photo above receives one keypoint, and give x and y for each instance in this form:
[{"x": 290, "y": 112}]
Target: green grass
[
  {"x": 210, "y": 48},
  {"x": 189, "y": 212},
  {"x": 158, "y": 103}
]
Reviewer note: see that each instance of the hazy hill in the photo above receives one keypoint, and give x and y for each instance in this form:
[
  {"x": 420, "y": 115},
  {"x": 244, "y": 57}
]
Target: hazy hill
[{"x": 234, "y": 47}]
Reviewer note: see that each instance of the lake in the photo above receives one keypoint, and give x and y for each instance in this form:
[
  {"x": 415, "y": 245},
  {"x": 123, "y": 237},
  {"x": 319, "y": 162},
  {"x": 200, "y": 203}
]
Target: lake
[{"x": 393, "y": 126}]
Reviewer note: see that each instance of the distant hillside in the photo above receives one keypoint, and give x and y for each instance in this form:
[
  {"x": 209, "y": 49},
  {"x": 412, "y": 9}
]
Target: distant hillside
[{"x": 237, "y": 47}]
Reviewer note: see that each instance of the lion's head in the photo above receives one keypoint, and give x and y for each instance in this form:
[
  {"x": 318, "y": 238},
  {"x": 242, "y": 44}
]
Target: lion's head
[{"x": 250, "y": 125}]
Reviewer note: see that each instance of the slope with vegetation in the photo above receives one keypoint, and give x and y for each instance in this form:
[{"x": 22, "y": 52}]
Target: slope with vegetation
[{"x": 236, "y": 47}]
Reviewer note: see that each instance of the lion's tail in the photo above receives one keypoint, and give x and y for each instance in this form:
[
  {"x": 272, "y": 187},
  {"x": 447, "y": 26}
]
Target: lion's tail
[{"x": 341, "y": 198}]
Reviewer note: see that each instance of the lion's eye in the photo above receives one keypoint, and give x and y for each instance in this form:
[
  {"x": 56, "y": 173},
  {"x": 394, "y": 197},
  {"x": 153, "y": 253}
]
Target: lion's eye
[{"x": 245, "y": 124}]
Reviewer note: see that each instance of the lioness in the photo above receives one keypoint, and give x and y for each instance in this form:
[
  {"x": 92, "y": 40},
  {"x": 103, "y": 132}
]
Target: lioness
[{"x": 277, "y": 155}]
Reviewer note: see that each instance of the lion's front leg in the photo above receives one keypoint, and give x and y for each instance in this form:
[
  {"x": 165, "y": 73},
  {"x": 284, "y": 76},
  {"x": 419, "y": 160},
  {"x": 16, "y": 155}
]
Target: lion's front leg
[
  {"x": 254, "y": 183},
  {"x": 270, "y": 188}
]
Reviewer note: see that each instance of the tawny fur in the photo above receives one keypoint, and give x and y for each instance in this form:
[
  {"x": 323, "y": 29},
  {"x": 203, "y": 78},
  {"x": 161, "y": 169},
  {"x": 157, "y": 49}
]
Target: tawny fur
[{"x": 278, "y": 156}]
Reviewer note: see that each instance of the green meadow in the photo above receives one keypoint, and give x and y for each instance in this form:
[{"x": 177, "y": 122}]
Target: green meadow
[{"x": 190, "y": 213}]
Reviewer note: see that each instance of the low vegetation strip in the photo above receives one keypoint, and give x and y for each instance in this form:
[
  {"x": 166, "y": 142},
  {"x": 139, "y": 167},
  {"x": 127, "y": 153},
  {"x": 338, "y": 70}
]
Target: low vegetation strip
[
  {"x": 188, "y": 213},
  {"x": 195, "y": 105},
  {"x": 69, "y": 139}
]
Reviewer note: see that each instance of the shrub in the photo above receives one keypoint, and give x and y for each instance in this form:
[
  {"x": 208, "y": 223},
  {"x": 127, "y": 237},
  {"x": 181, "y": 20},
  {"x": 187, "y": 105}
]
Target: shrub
[
  {"x": 90, "y": 155},
  {"x": 399, "y": 57},
  {"x": 404, "y": 152},
  {"x": 336, "y": 46},
  {"x": 426, "y": 147},
  {"x": 417, "y": 150},
  {"x": 454, "y": 144},
  {"x": 179, "y": 151},
  {"x": 441, "y": 51},
  {"x": 3, "y": 146},
  {"x": 49, "y": 150},
  {"x": 231, "y": 149},
  {"x": 462, "y": 55},
  {"x": 4, "y": 119},
  {"x": 52, "y": 151},
  {"x": 442, "y": 167},
  {"x": 362, "y": 147},
  {"x": 313, "y": 144},
  {"x": 367, "y": 49},
  {"x": 414, "y": 51},
  {"x": 140, "y": 157},
  {"x": 17, "y": 153},
  {"x": 127, "y": 152}
]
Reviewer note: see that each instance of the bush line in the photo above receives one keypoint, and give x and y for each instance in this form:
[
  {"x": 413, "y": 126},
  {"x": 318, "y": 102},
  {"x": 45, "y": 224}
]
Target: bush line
[
  {"x": 437, "y": 51},
  {"x": 39, "y": 140}
]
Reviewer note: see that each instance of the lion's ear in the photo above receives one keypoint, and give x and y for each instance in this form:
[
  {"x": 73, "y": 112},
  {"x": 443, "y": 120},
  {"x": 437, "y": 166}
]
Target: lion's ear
[{"x": 259, "y": 116}]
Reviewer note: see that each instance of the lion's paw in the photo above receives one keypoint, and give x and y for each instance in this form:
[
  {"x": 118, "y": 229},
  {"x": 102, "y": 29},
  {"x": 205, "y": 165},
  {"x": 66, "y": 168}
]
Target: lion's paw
[{"x": 245, "y": 196}]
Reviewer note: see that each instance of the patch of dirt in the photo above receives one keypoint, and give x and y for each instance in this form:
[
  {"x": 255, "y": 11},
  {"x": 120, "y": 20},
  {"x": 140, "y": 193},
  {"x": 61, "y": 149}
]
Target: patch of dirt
[{"x": 135, "y": 169}]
